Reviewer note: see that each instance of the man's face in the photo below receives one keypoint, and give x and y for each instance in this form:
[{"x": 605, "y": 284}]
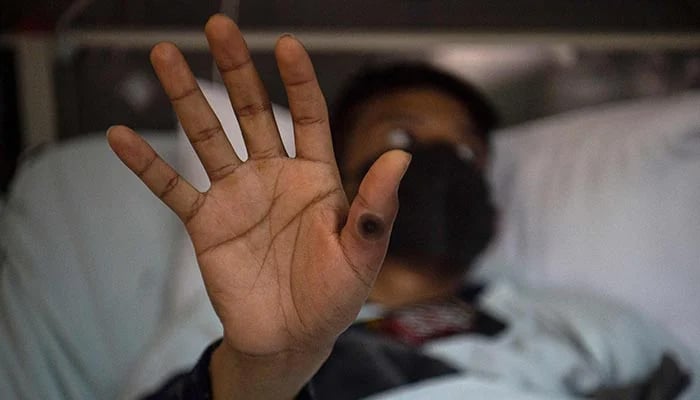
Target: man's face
[
  {"x": 432, "y": 236},
  {"x": 395, "y": 120}
]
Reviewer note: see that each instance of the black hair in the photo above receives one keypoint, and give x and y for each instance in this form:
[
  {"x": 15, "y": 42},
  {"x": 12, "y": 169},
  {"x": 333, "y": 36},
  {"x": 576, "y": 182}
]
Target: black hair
[{"x": 376, "y": 81}]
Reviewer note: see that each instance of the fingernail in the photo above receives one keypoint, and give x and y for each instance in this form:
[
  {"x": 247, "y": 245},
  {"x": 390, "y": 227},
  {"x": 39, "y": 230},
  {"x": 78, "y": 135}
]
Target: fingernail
[
  {"x": 371, "y": 227},
  {"x": 110, "y": 129}
]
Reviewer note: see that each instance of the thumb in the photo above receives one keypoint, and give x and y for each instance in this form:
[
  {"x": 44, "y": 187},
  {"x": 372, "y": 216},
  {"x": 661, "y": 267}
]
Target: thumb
[{"x": 365, "y": 236}]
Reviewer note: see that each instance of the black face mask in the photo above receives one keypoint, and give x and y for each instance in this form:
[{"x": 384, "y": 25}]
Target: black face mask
[{"x": 445, "y": 217}]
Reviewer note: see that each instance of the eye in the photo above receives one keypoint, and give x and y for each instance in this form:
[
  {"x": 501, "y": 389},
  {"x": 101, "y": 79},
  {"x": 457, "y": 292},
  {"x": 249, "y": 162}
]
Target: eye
[
  {"x": 465, "y": 152},
  {"x": 400, "y": 138}
]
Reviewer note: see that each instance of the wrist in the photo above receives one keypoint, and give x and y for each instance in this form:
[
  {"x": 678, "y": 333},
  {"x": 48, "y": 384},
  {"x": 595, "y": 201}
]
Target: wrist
[{"x": 236, "y": 375}]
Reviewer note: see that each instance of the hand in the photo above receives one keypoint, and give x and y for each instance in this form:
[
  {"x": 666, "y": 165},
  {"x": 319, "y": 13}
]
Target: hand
[{"x": 286, "y": 262}]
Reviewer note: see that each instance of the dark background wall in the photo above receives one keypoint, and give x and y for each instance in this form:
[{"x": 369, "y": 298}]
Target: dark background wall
[
  {"x": 569, "y": 15},
  {"x": 97, "y": 87}
]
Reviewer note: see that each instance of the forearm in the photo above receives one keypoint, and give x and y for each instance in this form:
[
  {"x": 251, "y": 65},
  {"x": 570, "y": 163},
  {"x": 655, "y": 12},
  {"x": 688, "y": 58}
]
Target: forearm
[{"x": 240, "y": 377}]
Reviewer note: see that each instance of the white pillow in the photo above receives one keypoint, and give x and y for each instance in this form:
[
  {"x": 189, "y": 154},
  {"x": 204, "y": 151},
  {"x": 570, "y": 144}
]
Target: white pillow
[
  {"x": 86, "y": 253},
  {"x": 606, "y": 199}
]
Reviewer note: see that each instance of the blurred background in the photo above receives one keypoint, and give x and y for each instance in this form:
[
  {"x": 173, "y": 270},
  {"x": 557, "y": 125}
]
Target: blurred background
[{"x": 68, "y": 68}]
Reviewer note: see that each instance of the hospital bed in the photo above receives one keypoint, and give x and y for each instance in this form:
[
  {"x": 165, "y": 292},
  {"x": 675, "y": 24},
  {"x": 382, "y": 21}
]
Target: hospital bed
[{"x": 101, "y": 297}]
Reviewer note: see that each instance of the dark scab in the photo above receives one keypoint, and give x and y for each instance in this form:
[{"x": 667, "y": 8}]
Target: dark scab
[{"x": 371, "y": 227}]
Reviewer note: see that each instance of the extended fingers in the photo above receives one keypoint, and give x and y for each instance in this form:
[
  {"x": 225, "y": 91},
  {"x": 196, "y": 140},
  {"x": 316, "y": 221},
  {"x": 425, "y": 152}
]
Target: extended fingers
[
  {"x": 160, "y": 177},
  {"x": 365, "y": 236},
  {"x": 245, "y": 89},
  {"x": 196, "y": 116},
  {"x": 306, "y": 101}
]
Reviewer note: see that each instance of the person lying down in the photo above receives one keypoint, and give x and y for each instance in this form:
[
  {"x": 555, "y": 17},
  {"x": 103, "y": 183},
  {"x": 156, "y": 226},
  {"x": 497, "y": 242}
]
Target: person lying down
[{"x": 315, "y": 300}]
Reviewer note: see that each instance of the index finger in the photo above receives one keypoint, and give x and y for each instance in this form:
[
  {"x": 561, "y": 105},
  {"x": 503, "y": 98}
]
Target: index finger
[{"x": 246, "y": 91}]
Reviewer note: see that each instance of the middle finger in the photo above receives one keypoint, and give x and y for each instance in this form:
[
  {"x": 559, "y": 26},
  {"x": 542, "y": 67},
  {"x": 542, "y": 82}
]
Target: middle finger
[
  {"x": 245, "y": 89},
  {"x": 196, "y": 116}
]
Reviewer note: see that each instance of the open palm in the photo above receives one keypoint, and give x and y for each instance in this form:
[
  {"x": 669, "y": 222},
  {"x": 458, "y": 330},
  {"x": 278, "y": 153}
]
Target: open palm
[{"x": 287, "y": 263}]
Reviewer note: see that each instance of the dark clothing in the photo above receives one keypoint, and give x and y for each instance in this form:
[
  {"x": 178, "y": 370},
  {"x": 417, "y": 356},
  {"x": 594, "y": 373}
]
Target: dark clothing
[
  {"x": 196, "y": 385},
  {"x": 362, "y": 363},
  {"x": 368, "y": 358}
]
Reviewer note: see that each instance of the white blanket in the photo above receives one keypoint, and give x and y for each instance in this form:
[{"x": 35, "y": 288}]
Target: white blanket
[{"x": 560, "y": 343}]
